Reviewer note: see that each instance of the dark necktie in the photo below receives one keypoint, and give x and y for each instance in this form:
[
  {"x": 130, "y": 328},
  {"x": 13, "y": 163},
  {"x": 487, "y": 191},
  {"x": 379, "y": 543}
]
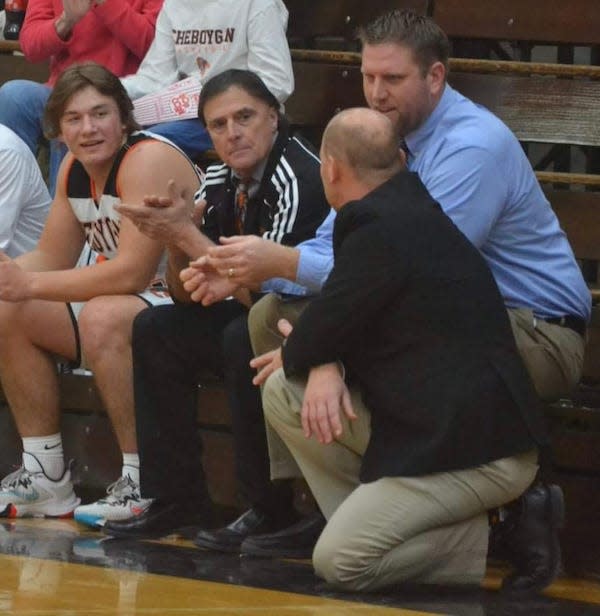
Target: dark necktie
[
  {"x": 405, "y": 149},
  {"x": 241, "y": 203}
]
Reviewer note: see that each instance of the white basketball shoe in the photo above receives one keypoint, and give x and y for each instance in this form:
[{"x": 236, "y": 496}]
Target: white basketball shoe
[
  {"x": 33, "y": 494},
  {"x": 122, "y": 501}
]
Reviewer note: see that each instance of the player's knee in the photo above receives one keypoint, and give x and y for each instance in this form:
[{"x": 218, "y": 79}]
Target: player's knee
[
  {"x": 102, "y": 327},
  {"x": 10, "y": 318}
]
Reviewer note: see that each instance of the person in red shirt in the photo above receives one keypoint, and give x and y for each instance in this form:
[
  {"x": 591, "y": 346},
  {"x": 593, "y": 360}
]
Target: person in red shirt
[{"x": 113, "y": 33}]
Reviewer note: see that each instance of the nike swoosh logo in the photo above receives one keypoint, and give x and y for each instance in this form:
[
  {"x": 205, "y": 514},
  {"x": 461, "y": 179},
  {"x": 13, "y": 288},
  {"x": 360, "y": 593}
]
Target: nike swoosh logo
[{"x": 51, "y": 446}]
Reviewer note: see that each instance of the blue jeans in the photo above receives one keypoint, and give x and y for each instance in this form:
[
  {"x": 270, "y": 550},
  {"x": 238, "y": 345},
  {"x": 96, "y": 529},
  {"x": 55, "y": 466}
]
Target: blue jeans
[
  {"x": 189, "y": 135},
  {"x": 21, "y": 109}
]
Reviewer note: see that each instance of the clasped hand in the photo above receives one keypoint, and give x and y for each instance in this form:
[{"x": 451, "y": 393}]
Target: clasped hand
[
  {"x": 205, "y": 284},
  {"x": 238, "y": 261}
]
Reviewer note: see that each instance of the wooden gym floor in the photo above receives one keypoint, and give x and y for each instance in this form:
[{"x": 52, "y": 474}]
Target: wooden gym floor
[{"x": 59, "y": 568}]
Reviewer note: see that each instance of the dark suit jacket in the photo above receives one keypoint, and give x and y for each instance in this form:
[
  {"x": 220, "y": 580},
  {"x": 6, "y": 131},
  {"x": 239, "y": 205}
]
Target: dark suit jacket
[{"x": 412, "y": 310}]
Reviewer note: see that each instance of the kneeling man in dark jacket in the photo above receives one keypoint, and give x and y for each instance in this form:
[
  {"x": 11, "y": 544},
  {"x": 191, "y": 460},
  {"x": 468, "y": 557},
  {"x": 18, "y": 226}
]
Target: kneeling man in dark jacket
[{"x": 402, "y": 396}]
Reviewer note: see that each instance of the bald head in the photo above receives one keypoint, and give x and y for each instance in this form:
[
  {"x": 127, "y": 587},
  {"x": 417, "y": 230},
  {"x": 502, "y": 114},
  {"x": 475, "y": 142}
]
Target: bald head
[{"x": 365, "y": 141}]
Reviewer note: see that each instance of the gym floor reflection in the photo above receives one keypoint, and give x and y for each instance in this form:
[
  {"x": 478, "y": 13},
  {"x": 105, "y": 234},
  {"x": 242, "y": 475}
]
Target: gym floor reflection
[{"x": 57, "y": 567}]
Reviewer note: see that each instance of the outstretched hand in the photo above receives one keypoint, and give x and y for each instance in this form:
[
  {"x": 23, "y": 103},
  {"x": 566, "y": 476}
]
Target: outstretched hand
[
  {"x": 164, "y": 218},
  {"x": 249, "y": 259}
]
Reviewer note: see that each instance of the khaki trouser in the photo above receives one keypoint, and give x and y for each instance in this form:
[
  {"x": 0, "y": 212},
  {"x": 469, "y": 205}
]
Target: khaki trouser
[
  {"x": 264, "y": 335},
  {"x": 552, "y": 354},
  {"x": 431, "y": 529}
]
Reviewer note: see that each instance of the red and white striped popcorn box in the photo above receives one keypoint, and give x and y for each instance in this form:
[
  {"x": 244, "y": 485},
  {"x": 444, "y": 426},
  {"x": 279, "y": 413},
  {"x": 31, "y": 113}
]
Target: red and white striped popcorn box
[{"x": 177, "y": 102}]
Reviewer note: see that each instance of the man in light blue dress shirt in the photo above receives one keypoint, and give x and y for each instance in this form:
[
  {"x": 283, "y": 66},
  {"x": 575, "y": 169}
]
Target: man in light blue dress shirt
[{"x": 473, "y": 165}]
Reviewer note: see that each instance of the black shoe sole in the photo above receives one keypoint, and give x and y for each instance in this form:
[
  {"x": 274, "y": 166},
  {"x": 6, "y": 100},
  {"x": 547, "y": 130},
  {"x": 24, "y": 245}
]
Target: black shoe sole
[
  {"x": 215, "y": 547},
  {"x": 124, "y": 534},
  {"x": 151, "y": 534},
  {"x": 300, "y": 554}
]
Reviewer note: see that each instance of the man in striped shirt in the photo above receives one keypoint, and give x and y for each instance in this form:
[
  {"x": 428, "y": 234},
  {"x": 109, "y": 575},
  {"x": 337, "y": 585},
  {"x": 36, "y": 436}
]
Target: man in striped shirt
[{"x": 269, "y": 186}]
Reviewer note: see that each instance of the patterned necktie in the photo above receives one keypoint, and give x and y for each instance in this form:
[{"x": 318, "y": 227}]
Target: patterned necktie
[{"x": 241, "y": 202}]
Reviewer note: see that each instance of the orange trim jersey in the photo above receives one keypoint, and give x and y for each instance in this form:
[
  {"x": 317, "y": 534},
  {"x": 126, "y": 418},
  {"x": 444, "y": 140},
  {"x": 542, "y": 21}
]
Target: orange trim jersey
[{"x": 96, "y": 213}]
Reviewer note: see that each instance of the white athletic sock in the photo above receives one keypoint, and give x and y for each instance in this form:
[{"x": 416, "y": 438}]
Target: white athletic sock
[
  {"x": 44, "y": 453},
  {"x": 131, "y": 466}
]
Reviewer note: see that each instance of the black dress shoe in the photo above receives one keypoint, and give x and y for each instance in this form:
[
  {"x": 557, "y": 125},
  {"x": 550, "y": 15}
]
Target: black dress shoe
[
  {"x": 230, "y": 538},
  {"x": 529, "y": 538},
  {"x": 158, "y": 520},
  {"x": 296, "y": 541}
]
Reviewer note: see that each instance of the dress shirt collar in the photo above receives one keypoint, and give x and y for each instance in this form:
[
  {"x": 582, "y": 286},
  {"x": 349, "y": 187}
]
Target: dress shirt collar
[
  {"x": 416, "y": 140},
  {"x": 256, "y": 178}
]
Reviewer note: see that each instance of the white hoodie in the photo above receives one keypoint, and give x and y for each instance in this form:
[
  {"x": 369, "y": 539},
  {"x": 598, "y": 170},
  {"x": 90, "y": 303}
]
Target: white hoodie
[{"x": 210, "y": 36}]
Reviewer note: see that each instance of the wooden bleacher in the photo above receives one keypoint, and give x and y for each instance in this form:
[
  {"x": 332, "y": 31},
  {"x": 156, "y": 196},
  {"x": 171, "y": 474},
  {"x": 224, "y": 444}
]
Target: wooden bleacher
[
  {"x": 552, "y": 108},
  {"x": 13, "y": 64},
  {"x": 547, "y": 21},
  {"x": 332, "y": 24}
]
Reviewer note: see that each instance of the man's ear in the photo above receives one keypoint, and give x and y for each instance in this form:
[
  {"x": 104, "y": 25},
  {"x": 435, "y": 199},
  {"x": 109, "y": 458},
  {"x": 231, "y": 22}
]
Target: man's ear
[
  {"x": 331, "y": 169},
  {"x": 274, "y": 119},
  {"x": 437, "y": 78}
]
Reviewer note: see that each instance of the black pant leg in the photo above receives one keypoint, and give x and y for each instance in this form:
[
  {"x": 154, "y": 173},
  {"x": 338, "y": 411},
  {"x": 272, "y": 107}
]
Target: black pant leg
[
  {"x": 248, "y": 424},
  {"x": 172, "y": 346}
]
